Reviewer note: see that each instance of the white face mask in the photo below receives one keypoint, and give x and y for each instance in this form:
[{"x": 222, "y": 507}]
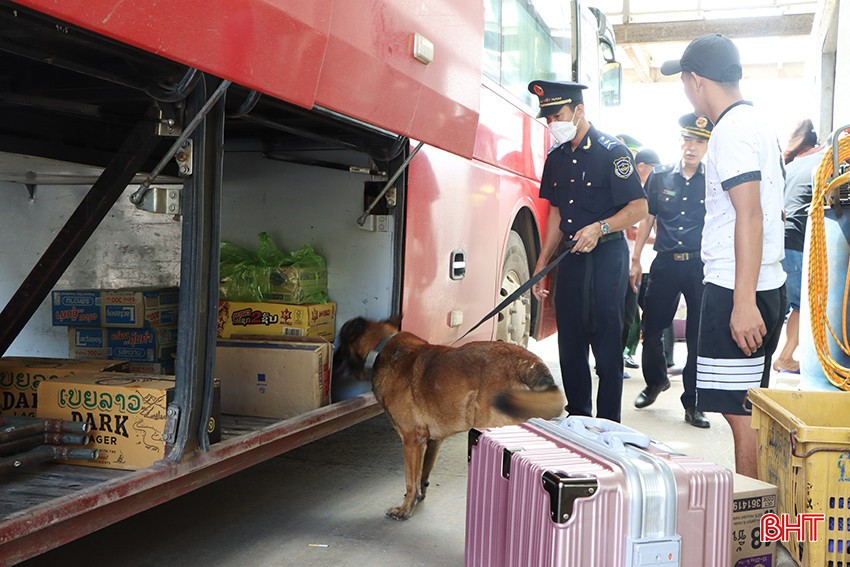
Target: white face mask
[{"x": 563, "y": 131}]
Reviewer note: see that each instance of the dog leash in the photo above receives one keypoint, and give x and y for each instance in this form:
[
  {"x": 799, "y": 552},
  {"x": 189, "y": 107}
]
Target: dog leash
[{"x": 522, "y": 289}]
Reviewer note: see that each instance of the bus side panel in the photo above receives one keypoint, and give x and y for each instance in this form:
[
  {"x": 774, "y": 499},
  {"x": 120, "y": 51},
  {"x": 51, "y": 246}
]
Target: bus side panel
[
  {"x": 274, "y": 47},
  {"x": 370, "y": 72},
  {"x": 452, "y": 204},
  {"x": 509, "y": 138}
]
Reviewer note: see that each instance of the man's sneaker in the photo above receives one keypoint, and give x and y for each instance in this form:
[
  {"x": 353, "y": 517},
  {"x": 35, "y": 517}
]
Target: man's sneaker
[{"x": 629, "y": 362}]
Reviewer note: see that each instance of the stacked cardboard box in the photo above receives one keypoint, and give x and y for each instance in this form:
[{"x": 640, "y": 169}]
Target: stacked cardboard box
[
  {"x": 20, "y": 378},
  {"x": 136, "y": 325},
  {"x": 127, "y": 413},
  {"x": 273, "y": 377},
  {"x": 239, "y": 319}
]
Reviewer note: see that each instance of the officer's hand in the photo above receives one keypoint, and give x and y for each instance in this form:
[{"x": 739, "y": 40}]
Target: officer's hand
[
  {"x": 539, "y": 290},
  {"x": 635, "y": 274},
  {"x": 747, "y": 326},
  {"x": 587, "y": 238}
]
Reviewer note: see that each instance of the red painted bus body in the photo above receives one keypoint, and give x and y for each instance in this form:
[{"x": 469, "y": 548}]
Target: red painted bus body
[{"x": 349, "y": 68}]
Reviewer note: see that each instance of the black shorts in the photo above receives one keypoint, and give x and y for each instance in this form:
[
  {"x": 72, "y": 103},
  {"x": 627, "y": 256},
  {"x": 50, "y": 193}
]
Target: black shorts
[{"x": 724, "y": 372}]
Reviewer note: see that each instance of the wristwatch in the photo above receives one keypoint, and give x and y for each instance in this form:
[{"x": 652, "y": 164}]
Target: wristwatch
[{"x": 606, "y": 228}]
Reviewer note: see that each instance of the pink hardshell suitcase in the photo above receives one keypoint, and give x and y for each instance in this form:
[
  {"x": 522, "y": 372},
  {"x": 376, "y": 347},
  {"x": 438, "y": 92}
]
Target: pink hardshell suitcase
[{"x": 584, "y": 492}]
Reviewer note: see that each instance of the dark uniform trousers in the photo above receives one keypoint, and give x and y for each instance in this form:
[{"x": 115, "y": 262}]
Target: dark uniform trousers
[
  {"x": 668, "y": 278},
  {"x": 610, "y": 264}
]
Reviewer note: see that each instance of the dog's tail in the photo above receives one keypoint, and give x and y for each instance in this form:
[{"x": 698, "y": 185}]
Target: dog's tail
[{"x": 525, "y": 404}]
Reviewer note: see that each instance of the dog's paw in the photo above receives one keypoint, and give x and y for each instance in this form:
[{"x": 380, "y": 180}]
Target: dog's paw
[{"x": 398, "y": 513}]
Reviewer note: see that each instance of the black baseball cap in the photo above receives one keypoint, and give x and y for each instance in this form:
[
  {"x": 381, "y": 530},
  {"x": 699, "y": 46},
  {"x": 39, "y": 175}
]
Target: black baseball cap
[
  {"x": 647, "y": 156},
  {"x": 712, "y": 56}
]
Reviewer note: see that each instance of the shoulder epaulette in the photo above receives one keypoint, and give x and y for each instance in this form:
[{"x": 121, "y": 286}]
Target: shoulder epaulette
[{"x": 608, "y": 142}]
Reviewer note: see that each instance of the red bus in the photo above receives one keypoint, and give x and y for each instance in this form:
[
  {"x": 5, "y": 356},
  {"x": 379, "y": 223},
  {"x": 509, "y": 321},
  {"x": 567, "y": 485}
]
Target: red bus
[{"x": 298, "y": 115}]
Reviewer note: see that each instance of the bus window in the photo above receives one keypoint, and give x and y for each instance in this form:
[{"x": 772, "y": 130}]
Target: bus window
[
  {"x": 612, "y": 77},
  {"x": 525, "y": 40}
]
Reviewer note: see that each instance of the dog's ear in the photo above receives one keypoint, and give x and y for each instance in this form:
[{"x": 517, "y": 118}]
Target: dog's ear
[
  {"x": 395, "y": 321},
  {"x": 352, "y": 330}
]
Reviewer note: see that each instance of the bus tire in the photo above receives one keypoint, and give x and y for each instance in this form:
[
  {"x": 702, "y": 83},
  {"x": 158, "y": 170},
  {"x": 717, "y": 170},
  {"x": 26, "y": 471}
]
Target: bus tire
[{"x": 513, "y": 323}]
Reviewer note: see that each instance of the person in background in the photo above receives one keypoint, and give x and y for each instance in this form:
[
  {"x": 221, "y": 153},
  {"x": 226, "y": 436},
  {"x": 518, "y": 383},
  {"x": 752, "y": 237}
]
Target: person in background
[
  {"x": 676, "y": 197},
  {"x": 631, "y": 143},
  {"x": 645, "y": 160},
  {"x": 802, "y": 157},
  {"x": 742, "y": 242},
  {"x": 589, "y": 178}
]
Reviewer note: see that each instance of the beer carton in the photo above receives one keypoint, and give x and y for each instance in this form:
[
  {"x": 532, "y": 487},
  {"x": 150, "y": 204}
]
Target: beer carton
[
  {"x": 273, "y": 378},
  {"x": 240, "y": 319},
  {"x": 127, "y": 414},
  {"x": 752, "y": 500},
  {"x": 20, "y": 378}
]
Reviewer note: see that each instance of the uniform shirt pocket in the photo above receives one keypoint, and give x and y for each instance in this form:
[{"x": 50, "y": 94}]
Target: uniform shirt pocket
[{"x": 594, "y": 196}]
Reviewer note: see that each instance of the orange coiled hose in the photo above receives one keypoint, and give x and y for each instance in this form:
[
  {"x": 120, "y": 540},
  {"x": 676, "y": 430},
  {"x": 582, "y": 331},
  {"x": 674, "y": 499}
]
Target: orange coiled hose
[{"x": 819, "y": 270}]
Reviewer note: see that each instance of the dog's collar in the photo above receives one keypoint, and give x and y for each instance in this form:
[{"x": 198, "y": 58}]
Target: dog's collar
[{"x": 372, "y": 357}]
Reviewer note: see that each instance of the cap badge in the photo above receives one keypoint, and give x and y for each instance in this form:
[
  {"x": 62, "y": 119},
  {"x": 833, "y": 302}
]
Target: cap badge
[
  {"x": 701, "y": 122},
  {"x": 538, "y": 90}
]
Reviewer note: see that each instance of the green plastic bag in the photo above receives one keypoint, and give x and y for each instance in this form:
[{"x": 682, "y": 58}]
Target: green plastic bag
[
  {"x": 272, "y": 275},
  {"x": 301, "y": 278}
]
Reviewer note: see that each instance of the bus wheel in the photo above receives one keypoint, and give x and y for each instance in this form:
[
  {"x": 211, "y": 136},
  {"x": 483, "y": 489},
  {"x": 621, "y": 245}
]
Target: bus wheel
[{"x": 513, "y": 323}]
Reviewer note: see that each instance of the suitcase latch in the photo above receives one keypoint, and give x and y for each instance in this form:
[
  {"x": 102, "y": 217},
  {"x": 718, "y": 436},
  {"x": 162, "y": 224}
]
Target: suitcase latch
[
  {"x": 564, "y": 490},
  {"x": 472, "y": 440}
]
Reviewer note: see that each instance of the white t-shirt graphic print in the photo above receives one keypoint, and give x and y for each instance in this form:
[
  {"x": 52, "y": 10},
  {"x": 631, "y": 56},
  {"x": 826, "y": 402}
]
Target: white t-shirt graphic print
[{"x": 741, "y": 149}]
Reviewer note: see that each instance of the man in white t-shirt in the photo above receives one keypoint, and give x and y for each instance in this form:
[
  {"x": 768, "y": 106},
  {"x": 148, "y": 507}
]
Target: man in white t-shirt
[{"x": 742, "y": 241}]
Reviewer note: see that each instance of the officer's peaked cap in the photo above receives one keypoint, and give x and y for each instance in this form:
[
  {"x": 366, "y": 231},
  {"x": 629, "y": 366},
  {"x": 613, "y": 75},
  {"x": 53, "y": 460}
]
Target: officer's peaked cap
[
  {"x": 695, "y": 126},
  {"x": 552, "y": 95}
]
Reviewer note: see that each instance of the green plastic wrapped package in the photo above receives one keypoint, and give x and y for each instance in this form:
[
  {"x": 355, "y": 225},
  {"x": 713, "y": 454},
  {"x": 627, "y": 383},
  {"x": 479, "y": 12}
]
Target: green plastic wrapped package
[{"x": 272, "y": 275}]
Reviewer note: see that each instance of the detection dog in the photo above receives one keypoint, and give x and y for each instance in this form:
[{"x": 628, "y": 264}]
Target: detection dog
[{"x": 432, "y": 391}]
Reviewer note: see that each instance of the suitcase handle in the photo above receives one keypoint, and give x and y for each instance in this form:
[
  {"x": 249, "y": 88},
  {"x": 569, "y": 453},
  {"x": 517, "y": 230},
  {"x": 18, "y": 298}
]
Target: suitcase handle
[{"x": 606, "y": 432}]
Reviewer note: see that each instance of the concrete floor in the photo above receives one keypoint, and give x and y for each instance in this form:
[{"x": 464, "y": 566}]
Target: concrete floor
[{"x": 324, "y": 504}]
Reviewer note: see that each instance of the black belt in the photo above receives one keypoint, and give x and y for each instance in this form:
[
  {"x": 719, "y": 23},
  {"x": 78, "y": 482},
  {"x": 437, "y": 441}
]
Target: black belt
[
  {"x": 681, "y": 256},
  {"x": 609, "y": 237}
]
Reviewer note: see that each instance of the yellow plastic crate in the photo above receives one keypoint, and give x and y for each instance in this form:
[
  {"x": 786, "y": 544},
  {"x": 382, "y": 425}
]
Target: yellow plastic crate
[{"x": 804, "y": 449}]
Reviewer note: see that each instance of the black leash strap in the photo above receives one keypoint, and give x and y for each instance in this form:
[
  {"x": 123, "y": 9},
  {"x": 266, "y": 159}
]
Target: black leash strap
[{"x": 523, "y": 288}]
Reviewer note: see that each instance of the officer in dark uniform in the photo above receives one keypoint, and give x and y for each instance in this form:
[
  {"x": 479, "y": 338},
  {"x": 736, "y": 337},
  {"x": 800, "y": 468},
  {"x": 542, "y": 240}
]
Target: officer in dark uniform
[
  {"x": 676, "y": 195},
  {"x": 590, "y": 181}
]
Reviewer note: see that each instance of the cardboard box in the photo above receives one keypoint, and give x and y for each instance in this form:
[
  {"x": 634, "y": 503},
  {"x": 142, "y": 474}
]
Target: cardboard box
[
  {"x": 126, "y": 412},
  {"x": 165, "y": 367},
  {"x": 752, "y": 500},
  {"x": 273, "y": 378},
  {"x": 21, "y": 376},
  {"x": 131, "y": 308},
  {"x": 86, "y": 343},
  {"x": 297, "y": 284},
  {"x": 150, "y": 344},
  {"x": 239, "y": 319}
]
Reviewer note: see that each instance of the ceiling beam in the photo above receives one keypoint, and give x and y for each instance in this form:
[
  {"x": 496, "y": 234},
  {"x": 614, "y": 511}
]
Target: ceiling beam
[
  {"x": 760, "y": 71},
  {"x": 641, "y": 60},
  {"x": 657, "y": 32}
]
